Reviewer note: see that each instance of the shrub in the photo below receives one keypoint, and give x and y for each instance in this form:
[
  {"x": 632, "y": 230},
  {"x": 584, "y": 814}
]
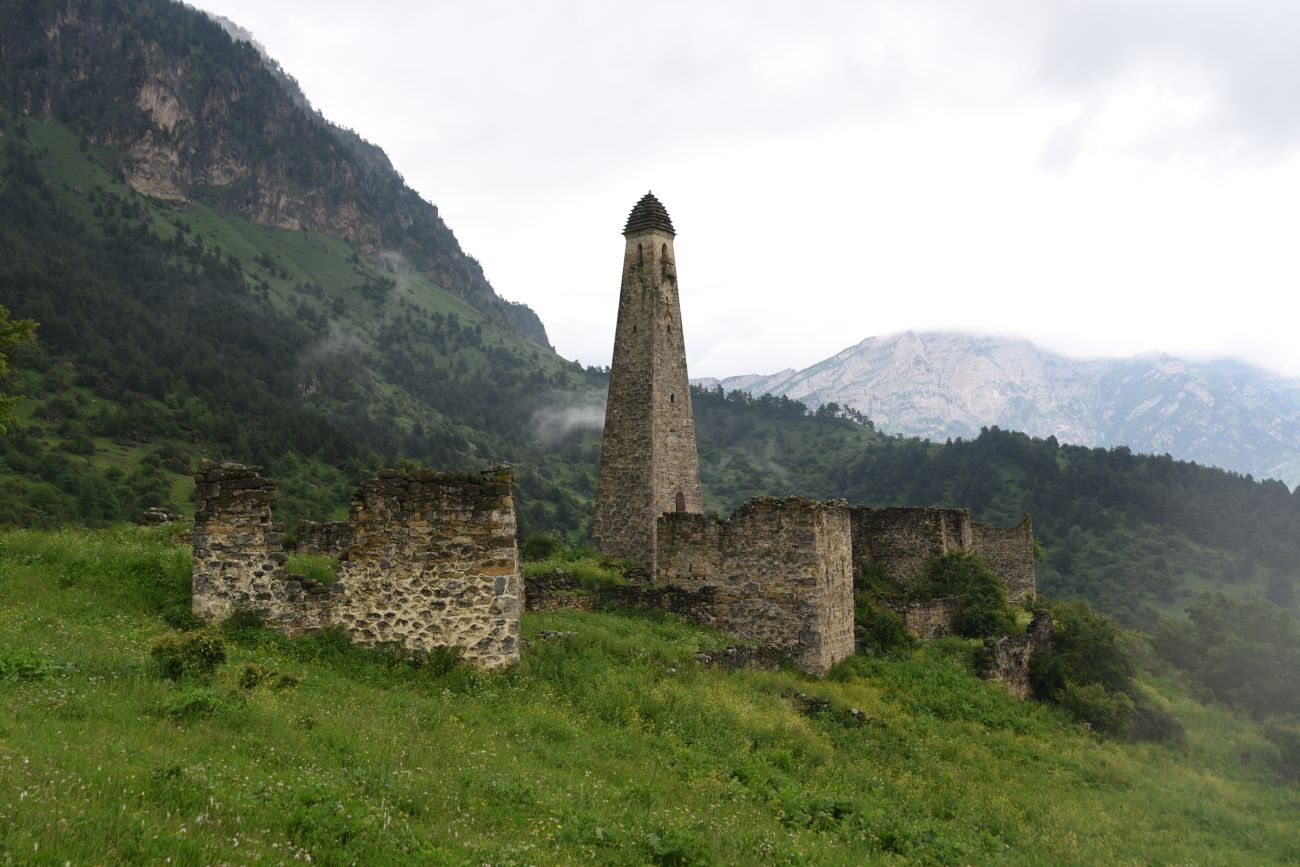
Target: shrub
[
  {"x": 1286, "y": 735},
  {"x": 882, "y": 631},
  {"x": 1106, "y": 711},
  {"x": 181, "y": 617},
  {"x": 1151, "y": 723},
  {"x": 1087, "y": 647},
  {"x": 540, "y": 546},
  {"x": 252, "y": 674},
  {"x": 194, "y": 654},
  {"x": 243, "y": 626},
  {"x": 983, "y": 609},
  {"x": 1246, "y": 653},
  {"x": 192, "y": 704},
  {"x": 26, "y": 666}
]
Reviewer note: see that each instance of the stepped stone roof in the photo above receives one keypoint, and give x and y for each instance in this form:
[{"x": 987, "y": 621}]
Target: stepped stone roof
[{"x": 648, "y": 214}]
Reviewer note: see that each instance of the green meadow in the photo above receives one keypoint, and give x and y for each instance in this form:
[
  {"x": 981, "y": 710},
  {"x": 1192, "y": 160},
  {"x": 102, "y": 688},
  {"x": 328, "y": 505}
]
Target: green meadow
[{"x": 610, "y": 743}]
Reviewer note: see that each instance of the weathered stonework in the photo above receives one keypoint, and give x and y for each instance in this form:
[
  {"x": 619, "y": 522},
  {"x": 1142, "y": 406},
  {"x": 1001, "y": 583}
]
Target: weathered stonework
[
  {"x": 648, "y": 464},
  {"x": 1006, "y": 660},
  {"x": 902, "y": 541},
  {"x": 430, "y": 562},
  {"x": 322, "y": 537},
  {"x": 1009, "y": 553},
  {"x": 779, "y": 571},
  {"x": 433, "y": 563},
  {"x": 928, "y": 618}
]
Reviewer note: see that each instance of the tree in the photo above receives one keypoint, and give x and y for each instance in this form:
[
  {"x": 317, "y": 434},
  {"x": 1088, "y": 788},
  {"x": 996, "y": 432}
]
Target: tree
[{"x": 12, "y": 332}]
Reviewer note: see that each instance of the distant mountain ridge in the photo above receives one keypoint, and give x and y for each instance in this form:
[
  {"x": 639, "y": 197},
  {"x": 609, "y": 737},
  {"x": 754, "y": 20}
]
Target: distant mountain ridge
[{"x": 939, "y": 385}]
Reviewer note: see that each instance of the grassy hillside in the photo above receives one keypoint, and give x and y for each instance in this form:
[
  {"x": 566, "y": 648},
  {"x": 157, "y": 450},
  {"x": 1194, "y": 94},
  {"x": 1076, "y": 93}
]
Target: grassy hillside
[
  {"x": 608, "y": 744},
  {"x": 172, "y": 331}
]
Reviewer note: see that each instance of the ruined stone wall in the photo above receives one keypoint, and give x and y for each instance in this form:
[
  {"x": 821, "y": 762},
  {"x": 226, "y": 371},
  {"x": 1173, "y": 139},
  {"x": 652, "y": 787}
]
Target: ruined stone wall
[
  {"x": 430, "y": 562},
  {"x": 322, "y": 537},
  {"x": 928, "y": 618},
  {"x": 901, "y": 541},
  {"x": 1006, "y": 660},
  {"x": 239, "y": 554},
  {"x": 779, "y": 572},
  {"x": 433, "y": 563},
  {"x": 1009, "y": 553}
]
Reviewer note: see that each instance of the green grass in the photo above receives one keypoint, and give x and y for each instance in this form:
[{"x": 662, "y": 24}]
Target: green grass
[
  {"x": 583, "y": 563},
  {"x": 608, "y": 744},
  {"x": 320, "y": 568}
]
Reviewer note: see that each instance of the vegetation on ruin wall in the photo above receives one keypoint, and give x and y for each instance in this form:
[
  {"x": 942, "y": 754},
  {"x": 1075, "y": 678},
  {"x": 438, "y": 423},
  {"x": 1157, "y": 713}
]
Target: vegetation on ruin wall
[
  {"x": 1140, "y": 536},
  {"x": 608, "y": 745}
]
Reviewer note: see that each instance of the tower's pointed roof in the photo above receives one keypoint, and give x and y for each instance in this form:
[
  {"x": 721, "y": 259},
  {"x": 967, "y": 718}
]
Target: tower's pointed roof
[{"x": 648, "y": 214}]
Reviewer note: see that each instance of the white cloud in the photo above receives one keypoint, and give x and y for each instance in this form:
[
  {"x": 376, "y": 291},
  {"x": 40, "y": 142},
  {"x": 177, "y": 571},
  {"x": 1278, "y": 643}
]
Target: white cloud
[{"x": 1101, "y": 177}]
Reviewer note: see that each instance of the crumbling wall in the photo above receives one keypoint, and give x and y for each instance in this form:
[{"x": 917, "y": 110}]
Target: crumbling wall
[
  {"x": 433, "y": 563},
  {"x": 928, "y": 618},
  {"x": 322, "y": 537},
  {"x": 239, "y": 554},
  {"x": 901, "y": 541},
  {"x": 430, "y": 561},
  {"x": 1009, "y": 553},
  {"x": 779, "y": 571},
  {"x": 1006, "y": 660}
]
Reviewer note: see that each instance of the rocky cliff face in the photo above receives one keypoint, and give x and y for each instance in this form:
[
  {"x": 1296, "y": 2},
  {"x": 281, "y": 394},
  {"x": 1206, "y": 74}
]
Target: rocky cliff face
[
  {"x": 950, "y": 385},
  {"x": 196, "y": 114}
]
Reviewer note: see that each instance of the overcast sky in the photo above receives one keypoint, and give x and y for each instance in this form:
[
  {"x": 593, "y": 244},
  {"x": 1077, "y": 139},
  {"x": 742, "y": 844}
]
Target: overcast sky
[{"x": 1104, "y": 177}]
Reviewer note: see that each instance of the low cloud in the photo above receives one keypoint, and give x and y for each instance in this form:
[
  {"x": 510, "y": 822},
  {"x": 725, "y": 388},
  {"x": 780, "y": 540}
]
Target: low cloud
[{"x": 553, "y": 423}]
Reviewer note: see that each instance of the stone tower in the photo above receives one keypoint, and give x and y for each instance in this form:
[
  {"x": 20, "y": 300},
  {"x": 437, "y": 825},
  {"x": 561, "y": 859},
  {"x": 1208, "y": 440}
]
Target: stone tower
[{"x": 648, "y": 463}]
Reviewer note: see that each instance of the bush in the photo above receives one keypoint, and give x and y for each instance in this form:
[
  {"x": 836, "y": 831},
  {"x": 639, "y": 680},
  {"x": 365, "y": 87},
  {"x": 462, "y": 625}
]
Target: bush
[
  {"x": 540, "y": 546},
  {"x": 1245, "y": 653},
  {"x": 194, "y": 654},
  {"x": 252, "y": 674},
  {"x": 1087, "y": 647},
  {"x": 1151, "y": 723},
  {"x": 983, "y": 610},
  {"x": 883, "y": 631},
  {"x": 193, "y": 704},
  {"x": 181, "y": 617},
  {"x": 1286, "y": 735},
  {"x": 1106, "y": 711}
]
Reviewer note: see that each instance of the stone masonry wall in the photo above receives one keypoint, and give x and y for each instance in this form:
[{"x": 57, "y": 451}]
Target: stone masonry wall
[
  {"x": 322, "y": 537},
  {"x": 239, "y": 554},
  {"x": 1009, "y": 552},
  {"x": 779, "y": 571},
  {"x": 1006, "y": 660},
  {"x": 430, "y": 562},
  {"x": 928, "y": 618},
  {"x": 901, "y": 541},
  {"x": 433, "y": 563}
]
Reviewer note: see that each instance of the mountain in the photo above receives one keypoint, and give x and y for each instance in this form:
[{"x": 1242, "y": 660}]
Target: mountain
[
  {"x": 947, "y": 385},
  {"x": 172, "y": 329},
  {"x": 195, "y": 115}
]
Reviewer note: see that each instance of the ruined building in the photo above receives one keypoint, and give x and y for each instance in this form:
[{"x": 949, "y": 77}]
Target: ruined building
[
  {"x": 778, "y": 572},
  {"x": 648, "y": 462},
  {"x": 427, "y": 560}
]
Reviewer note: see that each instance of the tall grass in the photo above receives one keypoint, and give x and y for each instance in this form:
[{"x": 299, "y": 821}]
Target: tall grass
[{"x": 608, "y": 745}]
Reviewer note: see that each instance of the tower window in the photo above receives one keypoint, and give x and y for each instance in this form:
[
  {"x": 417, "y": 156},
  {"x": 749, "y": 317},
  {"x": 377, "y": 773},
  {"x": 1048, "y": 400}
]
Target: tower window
[
  {"x": 672, "y": 398},
  {"x": 664, "y": 252},
  {"x": 681, "y": 502},
  {"x": 638, "y": 254}
]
